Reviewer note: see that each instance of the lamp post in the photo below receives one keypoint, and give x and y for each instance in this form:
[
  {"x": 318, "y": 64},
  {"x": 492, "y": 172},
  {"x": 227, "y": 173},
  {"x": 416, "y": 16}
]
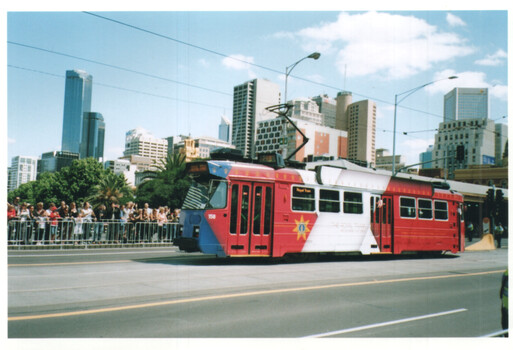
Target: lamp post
[
  {"x": 288, "y": 69},
  {"x": 408, "y": 93}
]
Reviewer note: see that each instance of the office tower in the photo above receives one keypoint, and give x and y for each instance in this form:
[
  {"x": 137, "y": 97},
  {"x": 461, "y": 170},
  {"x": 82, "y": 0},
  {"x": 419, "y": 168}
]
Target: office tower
[
  {"x": 224, "y": 129},
  {"x": 77, "y": 101},
  {"x": 250, "y": 101},
  {"x": 328, "y": 109},
  {"x": 55, "y": 161},
  {"x": 142, "y": 143},
  {"x": 22, "y": 170},
  {"x": 384, "y": 160},
  {"x": 93, "y": 136},
  {"x": 466, "y": 103},
  {"x": 426, "y": 158},
  {"x": 361, "y": 119},
  {"x": 477, "y": 136}
]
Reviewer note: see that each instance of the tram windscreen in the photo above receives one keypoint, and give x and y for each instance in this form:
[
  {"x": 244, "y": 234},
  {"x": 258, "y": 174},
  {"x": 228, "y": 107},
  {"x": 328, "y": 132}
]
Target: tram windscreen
[{"x": 208, "y": 194}]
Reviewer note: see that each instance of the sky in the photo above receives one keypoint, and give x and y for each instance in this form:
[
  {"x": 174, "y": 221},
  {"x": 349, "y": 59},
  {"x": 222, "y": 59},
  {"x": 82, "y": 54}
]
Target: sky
[{"x": 173, "y": 72}]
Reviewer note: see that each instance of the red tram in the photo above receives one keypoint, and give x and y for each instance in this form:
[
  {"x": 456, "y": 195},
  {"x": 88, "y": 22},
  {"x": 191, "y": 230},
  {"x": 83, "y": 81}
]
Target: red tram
[{"x": 236, "y": 209}]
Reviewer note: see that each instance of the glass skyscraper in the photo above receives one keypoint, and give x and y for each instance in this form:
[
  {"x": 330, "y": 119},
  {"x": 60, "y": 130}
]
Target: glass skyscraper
[
  {"x": 466, "y": 103},
  {"x": 93, "y": 136},
  {"x": 77, "y": 101}
]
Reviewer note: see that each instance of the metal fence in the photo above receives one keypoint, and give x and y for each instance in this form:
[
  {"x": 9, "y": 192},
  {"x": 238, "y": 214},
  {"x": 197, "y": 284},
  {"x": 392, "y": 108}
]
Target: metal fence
[{"x": 46, "y": 231}]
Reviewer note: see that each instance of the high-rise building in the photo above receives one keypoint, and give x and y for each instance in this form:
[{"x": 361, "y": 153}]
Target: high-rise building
[
  {"x": 142, "y": 143},
  {"x": 501, "y": 137},
  {"x": 250, "y": 101},
  {"x": 55, "y": 161},
  {"x": 359, "y": 120},
  {"x": 93, "y": 136},
  {"x": 22, "y": 170},
  {"x": 224, "y": 129},
  {"x": 384, "y": 160},
  {"x": 77, "y": 101},
  {"x": 466, "y": 103},
  {"x": 328, "y": 109},
  {"x": 476, "y": 136},
  {"x": 278, "y": 135},
  {"x": 426, "y": 158},
  {"x": 307, "y": 110}
]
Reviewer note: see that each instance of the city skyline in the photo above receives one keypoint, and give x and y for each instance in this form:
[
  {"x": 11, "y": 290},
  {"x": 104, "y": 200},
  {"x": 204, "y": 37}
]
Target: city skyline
[{"x": 169, "y": 79}]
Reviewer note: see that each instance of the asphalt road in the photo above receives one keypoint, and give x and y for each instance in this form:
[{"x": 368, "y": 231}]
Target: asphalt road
[{"x": 161, "y": 293}]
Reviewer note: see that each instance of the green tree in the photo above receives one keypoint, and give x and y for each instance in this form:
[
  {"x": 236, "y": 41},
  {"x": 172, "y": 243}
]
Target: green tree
[
  {"x": 111, "y": 188},
  {"x": 78, "y": 181}
]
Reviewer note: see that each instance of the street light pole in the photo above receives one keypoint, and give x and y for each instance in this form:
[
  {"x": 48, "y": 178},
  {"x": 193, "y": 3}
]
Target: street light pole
[
  {"x": 408, "y": 93},
  {"x": 288, "y": 69}
]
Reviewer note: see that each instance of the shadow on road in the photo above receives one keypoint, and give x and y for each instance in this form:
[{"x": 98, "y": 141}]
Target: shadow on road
[{"x": 211, "y": 260}]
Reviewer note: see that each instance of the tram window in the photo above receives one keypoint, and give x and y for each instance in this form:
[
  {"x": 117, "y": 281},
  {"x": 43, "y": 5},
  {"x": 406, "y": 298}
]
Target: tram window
[
  {"x": 233, "y": 208},
  {"x": 425, "y": 209},
  {"x": 329, "y": 201},
  {"x": 244, "y": 210},
  {"x": 353, "y": 203},
  {"x": 372, "y": 210},
  {"x": 407, "y": 207},
  {"x": 257, "y": 210},
  {"x": 384, "y": 207},
  {"x": 441, "y": 211},
  {"x": 267, "y": 210},
  {"x": 303, "y": 199}
]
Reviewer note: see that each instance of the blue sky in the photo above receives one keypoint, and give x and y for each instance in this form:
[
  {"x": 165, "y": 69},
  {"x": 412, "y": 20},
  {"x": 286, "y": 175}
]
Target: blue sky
[{"x": 171, "y": 72}]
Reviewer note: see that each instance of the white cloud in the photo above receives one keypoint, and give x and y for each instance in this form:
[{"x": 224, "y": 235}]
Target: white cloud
[
  {"x": 204, "y": 63},
  {"x": 413, "y": 148},
  {"x": 495, "y": 59},
  {"x": 384, "y": 45},
  {"x": 467, "y": 79},
  {"x": 454, "y": 21},
  {"x": 238, "y": 62},
  {"x": 10, "y": 140}
]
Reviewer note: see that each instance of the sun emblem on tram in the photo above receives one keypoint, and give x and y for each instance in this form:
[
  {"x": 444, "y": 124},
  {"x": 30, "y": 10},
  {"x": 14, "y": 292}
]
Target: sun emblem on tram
[{"x": 301, "y": 228}]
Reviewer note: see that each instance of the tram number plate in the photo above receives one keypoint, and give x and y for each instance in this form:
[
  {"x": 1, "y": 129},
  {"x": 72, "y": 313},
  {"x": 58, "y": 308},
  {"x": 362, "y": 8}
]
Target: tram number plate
[{"x": 211, "y": 216}]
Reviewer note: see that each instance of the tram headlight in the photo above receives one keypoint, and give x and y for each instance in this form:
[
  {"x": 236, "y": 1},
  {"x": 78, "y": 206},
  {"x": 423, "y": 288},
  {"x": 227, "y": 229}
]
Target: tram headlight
[{"x": 196, "y": 231}]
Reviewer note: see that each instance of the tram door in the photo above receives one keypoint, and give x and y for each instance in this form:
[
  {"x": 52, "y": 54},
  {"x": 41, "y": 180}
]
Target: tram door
[
  {"x": 250, "y": 218},
  {"x": 381, "y": 222}
]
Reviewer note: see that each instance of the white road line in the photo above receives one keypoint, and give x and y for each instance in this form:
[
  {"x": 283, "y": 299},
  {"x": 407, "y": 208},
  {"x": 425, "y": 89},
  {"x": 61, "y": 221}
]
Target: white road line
[{"x": 383, "y": 324}]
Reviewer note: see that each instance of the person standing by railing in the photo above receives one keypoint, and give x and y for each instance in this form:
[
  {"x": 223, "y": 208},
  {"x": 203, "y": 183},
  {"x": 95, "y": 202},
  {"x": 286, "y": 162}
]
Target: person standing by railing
[
  {"x": 100, "y": 214},
  {"x": 11, "y": 217},
  {"x": 114, "y": 216},
  {"x": 40, "y": 216},
  {"x": 54, "y": 222},
  {"x": 24, "y": 224},
  {"x": 87, "y": 215},
  {"x": 161, "y": 221}
]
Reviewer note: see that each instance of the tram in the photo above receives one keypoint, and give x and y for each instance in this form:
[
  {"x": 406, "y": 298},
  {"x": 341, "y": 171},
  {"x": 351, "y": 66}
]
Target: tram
[{"x": 236, "y": 208}]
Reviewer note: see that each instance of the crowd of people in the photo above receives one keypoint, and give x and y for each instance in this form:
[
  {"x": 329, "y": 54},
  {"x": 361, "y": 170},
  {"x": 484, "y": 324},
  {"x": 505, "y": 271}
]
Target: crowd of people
[{"x": 29, "y": 224}]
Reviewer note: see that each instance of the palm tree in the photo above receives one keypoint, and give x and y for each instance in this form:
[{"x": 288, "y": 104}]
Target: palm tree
[{"x": 110, "y": 189}]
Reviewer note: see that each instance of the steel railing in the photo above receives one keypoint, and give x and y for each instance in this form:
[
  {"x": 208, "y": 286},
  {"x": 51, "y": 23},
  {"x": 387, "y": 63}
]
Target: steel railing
[{"x": 47, "y": 231}]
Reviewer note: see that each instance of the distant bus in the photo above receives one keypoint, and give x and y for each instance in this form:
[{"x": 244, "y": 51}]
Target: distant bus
[{"x": 239, "y": 209}]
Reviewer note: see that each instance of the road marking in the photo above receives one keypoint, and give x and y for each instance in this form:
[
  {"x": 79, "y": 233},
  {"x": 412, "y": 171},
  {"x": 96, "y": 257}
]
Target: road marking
[
  {"x": 384, "y": 324},
  {"x": 240, "y": 295}
]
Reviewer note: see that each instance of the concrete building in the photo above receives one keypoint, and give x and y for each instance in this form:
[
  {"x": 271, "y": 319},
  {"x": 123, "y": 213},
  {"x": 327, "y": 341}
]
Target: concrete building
[
  {"x": 142, "y": 143},
  {"x": 277, "y": 135},
  {"x": 307, "y": 110},
  {"x": 501, "y": 138},
  {"x": 250, "y": 101},
  {"x": 200, "y": 147},
  {"x": 477, "y": 136},
  {"x": 122, "y": 166},
  {"x": 359, "y": 120},
  {"x": 23, "y": 169},
  {"x": 384, "y": 160},
  {"x": 328, "y": 109},
  {"x": 466, "y": 103}
]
